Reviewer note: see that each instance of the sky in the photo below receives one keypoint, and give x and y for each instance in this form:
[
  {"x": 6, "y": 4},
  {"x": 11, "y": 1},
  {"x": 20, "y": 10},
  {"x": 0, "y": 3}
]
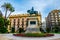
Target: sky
[{"x": 42, "y": 6}]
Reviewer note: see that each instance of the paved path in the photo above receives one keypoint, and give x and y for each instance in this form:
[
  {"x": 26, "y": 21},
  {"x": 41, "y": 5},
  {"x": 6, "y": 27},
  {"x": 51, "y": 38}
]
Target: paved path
[{"x": 11, "y": 37}]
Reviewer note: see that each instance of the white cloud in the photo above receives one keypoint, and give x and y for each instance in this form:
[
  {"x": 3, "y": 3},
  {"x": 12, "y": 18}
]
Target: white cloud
[{"x": 39, "y": 5}]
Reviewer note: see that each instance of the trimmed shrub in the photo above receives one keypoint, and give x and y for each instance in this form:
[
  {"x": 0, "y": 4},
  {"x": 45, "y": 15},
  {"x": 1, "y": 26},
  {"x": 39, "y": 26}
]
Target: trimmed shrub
[
  {"x": 21, "y": 30},
  {"x": 13, "y": 30},
  {"x": 3, "y": 28},
  {"x": 34, "y": 35},
  {"x": 48, "y": 30}
]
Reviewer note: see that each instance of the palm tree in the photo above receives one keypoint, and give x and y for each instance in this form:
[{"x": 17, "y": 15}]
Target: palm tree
[
  {"x": 7, "y": 7},
  {"x": 11, "y": 10}
]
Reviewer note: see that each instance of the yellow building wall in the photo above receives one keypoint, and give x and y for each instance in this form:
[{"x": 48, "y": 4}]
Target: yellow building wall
[{"x": 25, "y": 17}]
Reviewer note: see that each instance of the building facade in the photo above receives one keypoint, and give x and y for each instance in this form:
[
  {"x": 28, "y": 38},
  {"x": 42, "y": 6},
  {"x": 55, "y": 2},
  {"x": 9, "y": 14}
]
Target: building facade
[
  {"x": 53, "y": 19},
  {"x": 24, "y": 20}
]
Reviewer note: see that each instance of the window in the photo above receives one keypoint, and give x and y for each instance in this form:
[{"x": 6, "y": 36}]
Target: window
[
  {"x": 32, "y": 22},
  {"x": 52, "y": 16},
  {"x": 55, "y": 13},
  {"x": 59, "y": 18},
  {"x": 51, "y": 13},
  {"x": 52, "y": 21},
  {"x": 59, "y": 13},
  {"x": 56, "y": 21},
  {"x": 56, "y": 16},
  {"x": 18, "y": 22},
  {"x": 14, "y": 22}
]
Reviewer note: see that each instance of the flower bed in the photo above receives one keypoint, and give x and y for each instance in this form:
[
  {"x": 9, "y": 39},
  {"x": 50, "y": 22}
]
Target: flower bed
[
  {"x": 34, "y": 35},
  {"x": 19, "y": 34},
  {"x": 49, "y": 35}
]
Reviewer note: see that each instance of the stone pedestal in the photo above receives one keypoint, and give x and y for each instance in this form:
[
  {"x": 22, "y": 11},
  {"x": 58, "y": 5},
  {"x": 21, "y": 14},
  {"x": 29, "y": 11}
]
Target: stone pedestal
[{"x": 32, "y": 27}]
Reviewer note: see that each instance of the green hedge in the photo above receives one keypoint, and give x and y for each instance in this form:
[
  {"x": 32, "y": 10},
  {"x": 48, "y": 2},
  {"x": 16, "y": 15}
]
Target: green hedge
[{"x": 35, "y": 34}]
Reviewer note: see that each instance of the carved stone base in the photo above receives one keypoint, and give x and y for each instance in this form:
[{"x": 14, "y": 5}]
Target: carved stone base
[
  {"x": 32, "y": 30},
  {"x": 32, "y": 26}
]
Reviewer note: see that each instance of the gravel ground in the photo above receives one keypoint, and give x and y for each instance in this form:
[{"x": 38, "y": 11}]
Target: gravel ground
[{"x": 11, "y": 37}]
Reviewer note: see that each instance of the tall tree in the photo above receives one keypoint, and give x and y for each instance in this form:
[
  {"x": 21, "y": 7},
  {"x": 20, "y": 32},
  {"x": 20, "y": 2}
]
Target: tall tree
[
  {"x": 11, "y": 10},
  {"x": 7, "y": 7},
  {"x": 2, "y": 28}
]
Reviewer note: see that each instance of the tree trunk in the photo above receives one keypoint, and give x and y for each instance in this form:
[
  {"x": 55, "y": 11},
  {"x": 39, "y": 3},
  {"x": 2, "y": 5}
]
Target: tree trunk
[
  {"x": 5, "y": 13},
  {"x": 5, "y": 18},
  {"x": 9, "y": 14}
]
